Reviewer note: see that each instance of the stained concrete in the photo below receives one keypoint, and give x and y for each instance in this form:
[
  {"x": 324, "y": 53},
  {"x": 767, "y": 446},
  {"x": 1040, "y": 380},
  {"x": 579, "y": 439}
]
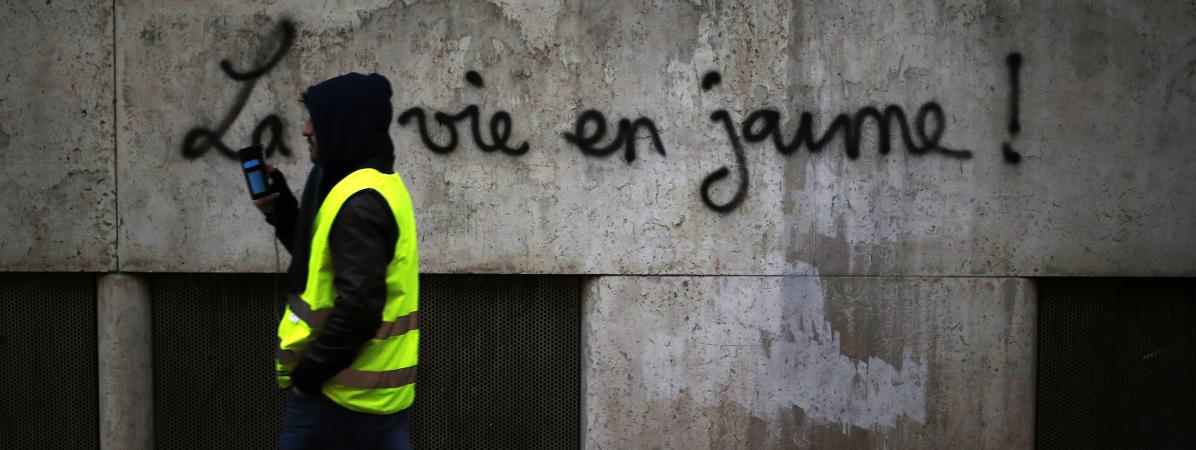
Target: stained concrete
[
  {"x": 1102, "y": 187},
  {"x": 808, "y": 362},
  {"x": 57, "y": 192},
  {"x": 123, "y": 325}
]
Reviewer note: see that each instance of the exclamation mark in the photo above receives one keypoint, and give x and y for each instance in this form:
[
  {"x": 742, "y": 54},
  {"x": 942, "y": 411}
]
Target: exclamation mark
[{"x": 1014, "y": 61}]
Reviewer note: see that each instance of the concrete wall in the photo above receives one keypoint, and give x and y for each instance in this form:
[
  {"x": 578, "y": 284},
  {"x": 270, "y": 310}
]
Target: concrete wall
[
  {"x": 57, "y": 184},
  {"x": 811, "y": 299},
  {"x": 1107, "y": 98},
  {"x": 808, "y": 362}
]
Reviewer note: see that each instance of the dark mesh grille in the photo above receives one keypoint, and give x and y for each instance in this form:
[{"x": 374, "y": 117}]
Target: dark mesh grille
[
  {"x": 48, "y": 390},
  {"x": 214, "y": 339},
  {"x": 499, "y": 362},
  {"x": 1116, "y": 363}
]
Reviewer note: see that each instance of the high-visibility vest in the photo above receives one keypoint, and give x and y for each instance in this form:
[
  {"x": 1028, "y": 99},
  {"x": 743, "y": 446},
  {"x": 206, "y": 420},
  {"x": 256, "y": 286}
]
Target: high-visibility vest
[{"x": 382, "y": 378}]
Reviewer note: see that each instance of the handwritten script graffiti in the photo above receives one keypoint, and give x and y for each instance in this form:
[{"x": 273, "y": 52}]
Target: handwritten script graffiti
[
  {"x": 921, "y": 136},
  {"x": 587, "y": 143},
  {"x": 1014, "y": 61},
  {"x": 500, "y": 126},
  {"x": 199, "y": 140},
  {"x": 765, "y": 124}
]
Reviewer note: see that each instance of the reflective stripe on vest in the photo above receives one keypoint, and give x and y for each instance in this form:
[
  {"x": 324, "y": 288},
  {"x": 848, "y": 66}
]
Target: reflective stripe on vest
[
  {"x": 316, "y": 319},
  {"x": 382, "y": 378}
]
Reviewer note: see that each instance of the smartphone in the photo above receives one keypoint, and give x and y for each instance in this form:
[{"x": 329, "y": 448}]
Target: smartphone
[{"x": 255, "y": 172}]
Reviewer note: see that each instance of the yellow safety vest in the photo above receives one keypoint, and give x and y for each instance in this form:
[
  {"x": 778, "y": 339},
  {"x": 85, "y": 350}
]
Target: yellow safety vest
[{"x": 382, "y": 378}]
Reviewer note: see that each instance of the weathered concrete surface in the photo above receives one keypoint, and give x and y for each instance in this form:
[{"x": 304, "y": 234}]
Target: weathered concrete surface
[
  {"x": 1108, "y": 96},
  {"x": 57, "y": 199},
  {"x": 808, "y": 362},
  {"x": 125, "y": 362}
]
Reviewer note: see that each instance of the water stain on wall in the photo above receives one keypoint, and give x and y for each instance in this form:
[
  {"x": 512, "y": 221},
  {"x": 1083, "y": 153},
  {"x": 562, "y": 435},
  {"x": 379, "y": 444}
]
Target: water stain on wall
[
  {"x": 782, "y": 352},
  {"x": 807, "y": 362}
]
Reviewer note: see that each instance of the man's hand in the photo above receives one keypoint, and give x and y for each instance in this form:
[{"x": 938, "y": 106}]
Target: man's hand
[{"x": 266, "y": 204}]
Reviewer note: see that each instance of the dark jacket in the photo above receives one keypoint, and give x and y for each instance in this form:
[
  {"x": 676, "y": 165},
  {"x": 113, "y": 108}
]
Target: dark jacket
[{"x": 351, "y": 115}]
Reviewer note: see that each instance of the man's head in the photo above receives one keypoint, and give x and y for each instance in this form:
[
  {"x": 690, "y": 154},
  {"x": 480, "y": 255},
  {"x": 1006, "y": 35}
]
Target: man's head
[{"x": 348, "y": 120}]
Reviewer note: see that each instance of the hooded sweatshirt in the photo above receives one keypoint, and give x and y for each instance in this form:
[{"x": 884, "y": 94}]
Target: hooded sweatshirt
[{"x": 351, "y": 116}]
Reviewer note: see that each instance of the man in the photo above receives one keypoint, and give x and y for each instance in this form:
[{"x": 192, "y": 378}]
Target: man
[{"x": 348, "y": 342}]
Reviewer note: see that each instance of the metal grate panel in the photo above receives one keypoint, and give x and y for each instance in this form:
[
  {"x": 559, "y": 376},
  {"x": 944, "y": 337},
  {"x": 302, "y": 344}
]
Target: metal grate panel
[
  {"x": 213, "y": 341},
  {"x": 499, "y": 362},
  {"x": 1116, "y": 363},
  {"x": 48, "y": 368}
]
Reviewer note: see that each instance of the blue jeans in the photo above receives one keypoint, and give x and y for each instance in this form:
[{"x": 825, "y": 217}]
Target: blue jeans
[{"x": 313, "y": 423}]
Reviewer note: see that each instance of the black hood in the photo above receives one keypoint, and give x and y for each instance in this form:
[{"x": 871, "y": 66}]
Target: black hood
[{"x": 351, "y": 117}]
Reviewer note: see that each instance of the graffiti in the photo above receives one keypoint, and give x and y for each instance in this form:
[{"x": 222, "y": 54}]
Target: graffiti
[
  {"x": 199, "y": 140},
  {"x": 853, "y": 128},
  {"x": 709, "y": 81},
  {"x": 1014, "y": 61},
  {"x": 740, "y": 162},
  {"x": 473, "y": 78},
  {"x": 922, "y": 136},
  {"x": 588, "y": 143},
  {"x": 500, "y": 126},
  {"x": 765, "y": 124}
]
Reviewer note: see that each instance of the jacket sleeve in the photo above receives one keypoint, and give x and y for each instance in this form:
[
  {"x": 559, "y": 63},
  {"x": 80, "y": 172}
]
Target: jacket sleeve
[
  {"x": 286, "y": 211},
  {"x": 362, "y": 243}
]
